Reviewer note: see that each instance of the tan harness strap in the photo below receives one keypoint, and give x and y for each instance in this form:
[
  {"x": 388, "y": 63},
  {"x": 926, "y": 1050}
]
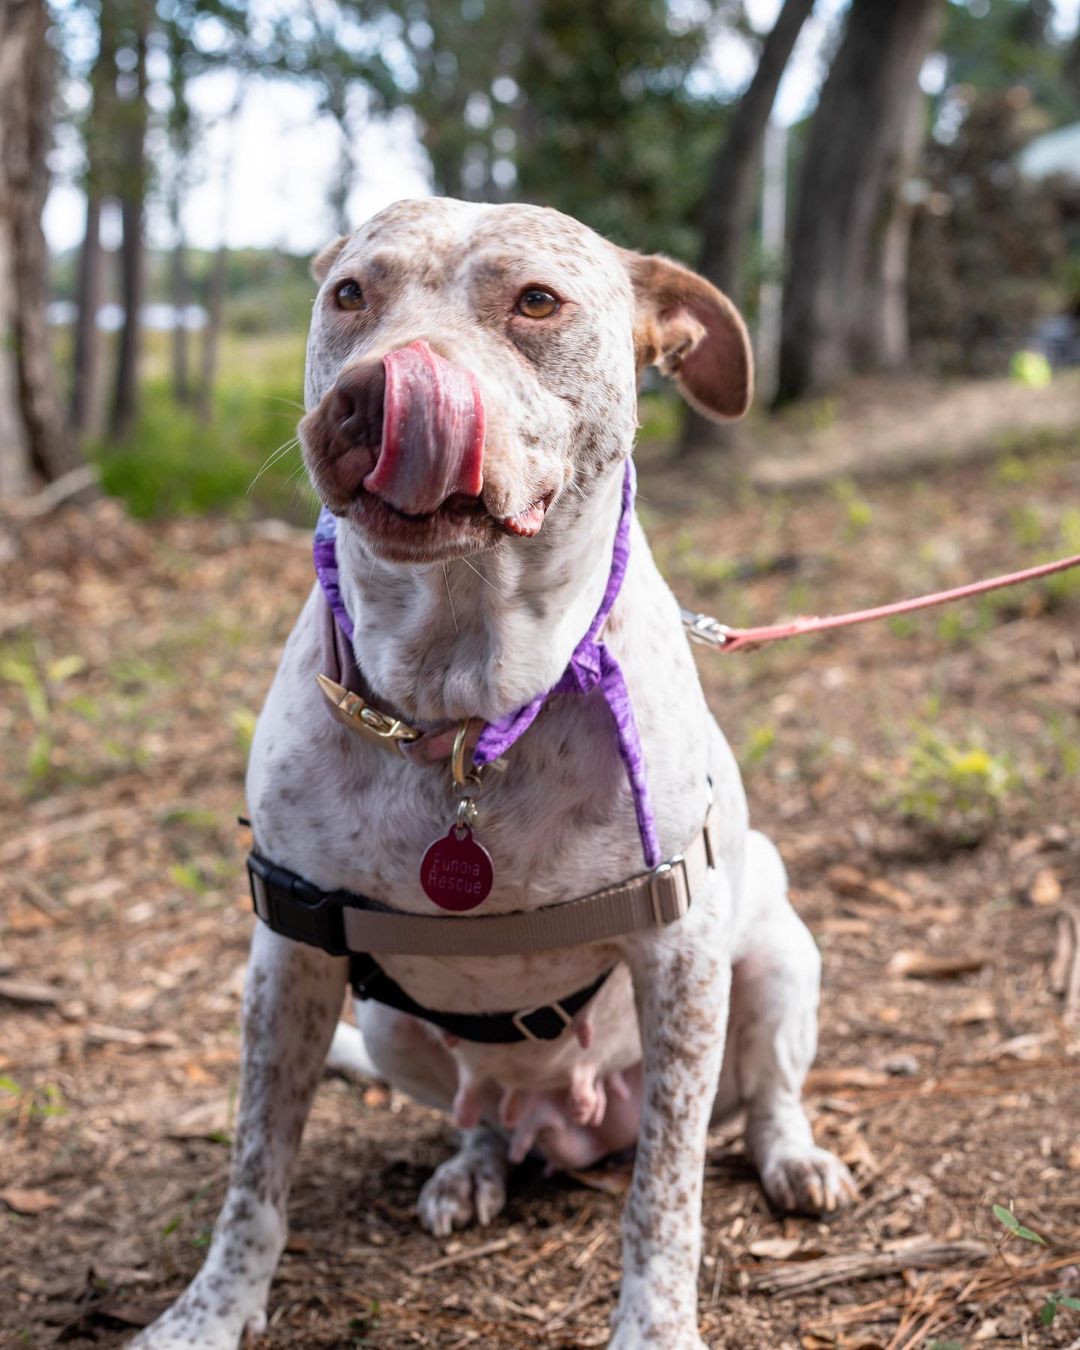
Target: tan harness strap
[{"x": 646, "y": 902}]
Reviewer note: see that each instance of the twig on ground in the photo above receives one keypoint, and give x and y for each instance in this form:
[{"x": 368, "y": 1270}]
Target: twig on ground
[
  {"x": 1065, "y": 972},
  {"x": 38, "y": 896},
  {"x": 81, "y": 482},
  {"x": 469, "y": 1254},
  {"x": 809, "y": 1275}
]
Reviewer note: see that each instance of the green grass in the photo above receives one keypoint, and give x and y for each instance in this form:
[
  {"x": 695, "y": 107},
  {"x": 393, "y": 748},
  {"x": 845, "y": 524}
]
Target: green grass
[{"x": 174, "y": 464}]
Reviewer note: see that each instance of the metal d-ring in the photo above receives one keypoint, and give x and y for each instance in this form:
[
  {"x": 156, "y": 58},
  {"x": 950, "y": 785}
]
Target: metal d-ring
[{"x": 463, "y": 778}]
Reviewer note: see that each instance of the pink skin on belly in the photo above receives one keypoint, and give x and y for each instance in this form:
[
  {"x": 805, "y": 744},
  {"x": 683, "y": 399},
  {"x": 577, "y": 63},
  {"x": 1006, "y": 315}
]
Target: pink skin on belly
[{"x": 572, "y": 1126}]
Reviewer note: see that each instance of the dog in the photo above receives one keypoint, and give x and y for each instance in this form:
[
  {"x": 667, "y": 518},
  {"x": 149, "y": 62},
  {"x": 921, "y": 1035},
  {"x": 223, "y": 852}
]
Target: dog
[{"x": 471, "y": 387}]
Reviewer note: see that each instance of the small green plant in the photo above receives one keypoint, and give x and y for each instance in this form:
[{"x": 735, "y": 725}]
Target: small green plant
[
  {"x": 758, "y": 745},
  {"x": 242, "y": 721},
  {"x": 39, "y": 684},
  {"x": 859, "y": 512},
  {"x": 1014, "y": 1228},
  {"x": 951, "y": 788},
  {"x": 32, "y": 1102},
  {"x": 361, "y": 1327}
]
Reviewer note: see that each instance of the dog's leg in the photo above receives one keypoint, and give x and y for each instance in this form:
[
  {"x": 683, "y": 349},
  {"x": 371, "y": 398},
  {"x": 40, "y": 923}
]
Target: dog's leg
[
  {"x": 773, "y": 1039},
  {"x": 681, "y": 984},
  {"x": 292, "y": 999},
  {"x": 470, "y": 1185}
]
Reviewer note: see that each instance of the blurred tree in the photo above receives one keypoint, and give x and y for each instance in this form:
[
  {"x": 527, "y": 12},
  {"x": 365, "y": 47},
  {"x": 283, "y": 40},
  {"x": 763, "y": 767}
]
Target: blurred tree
[
  {"x": 177, "y": 24},
  {"x": 98, "y": 182},
  {"x": 858, "y": 124},
  {"x": 728, "y": 209},
  {"x": 611, "y": 126},
  {"x": 992, "y": 47},
  {"x": 584, "y": 108},
  {"x": 134, "y": 18},
  {"x": 987, "y": 245},
  {"x": 35, "y": 441}
]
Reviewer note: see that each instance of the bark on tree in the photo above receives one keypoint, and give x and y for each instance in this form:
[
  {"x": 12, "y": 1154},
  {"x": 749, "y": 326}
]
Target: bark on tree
[
  {"x": 180, "y": 294},
  {"x": 730, "y": 196},
  {"x": 857, "y": 124},
  {"x": 215, "y": 305},
  {"x": 219, "y": 276},
  {"x": 100, "y": 182},
  {"x": 44, "y": 447},
  {"x": 85, "y": 362},
  {"x": 881, "y": 336},
  {"x": 133, "y": 122}
]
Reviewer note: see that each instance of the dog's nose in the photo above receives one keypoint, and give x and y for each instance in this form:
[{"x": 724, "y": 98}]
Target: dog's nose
[{"x": 357, "y": 400}]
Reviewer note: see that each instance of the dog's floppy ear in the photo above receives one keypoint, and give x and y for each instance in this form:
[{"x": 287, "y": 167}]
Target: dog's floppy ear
[
  {"x": 693, "y": 333},
  {"x": 325, "y": 258}
]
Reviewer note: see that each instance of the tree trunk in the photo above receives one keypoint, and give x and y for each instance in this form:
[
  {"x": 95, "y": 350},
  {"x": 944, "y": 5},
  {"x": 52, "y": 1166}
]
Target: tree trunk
[
  {"x": 181, "y": 296},
  {"x": 219, "y": 276},
  {"x": 215, "y": 305},
  {"x": 881, "y": 340},
  {"x": 45, "y": 448},
  {"x": 133, "y": 116},
  {"x": 84, "y": 384},
  {"x": 730, "y": 195},
  {"x": 859, "y": 120},
  {"x": 99, "y": 184}
]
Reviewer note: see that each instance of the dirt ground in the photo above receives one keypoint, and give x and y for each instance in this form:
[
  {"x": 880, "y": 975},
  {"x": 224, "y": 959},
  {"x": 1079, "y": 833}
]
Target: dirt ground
[{"x": 922, "y": 780}]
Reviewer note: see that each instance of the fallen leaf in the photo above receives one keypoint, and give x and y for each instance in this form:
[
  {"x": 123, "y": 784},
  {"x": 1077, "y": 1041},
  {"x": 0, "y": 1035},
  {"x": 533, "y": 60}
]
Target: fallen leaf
[
  {"x": 922, "y": 966},
  {"x": 29, "y": 991},
  {"x": 1073, "y": 1157},
  {"x": 28, "y": 1201},
  {"x": 1045, "y": 889},
  {"x": 851, "y": 881},
  {"x": 845, "y": 879},
  {"x": 981, "y": 1008},
  {"x": 774, "y": 1249},
  {"x": 825, "y": 1080}
]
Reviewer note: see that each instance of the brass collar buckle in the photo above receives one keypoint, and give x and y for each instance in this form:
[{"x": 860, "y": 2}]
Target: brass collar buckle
[{"x": 358, "y": 715}]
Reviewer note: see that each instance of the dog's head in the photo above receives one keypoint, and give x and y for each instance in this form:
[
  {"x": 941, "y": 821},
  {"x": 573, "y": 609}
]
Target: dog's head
[{"x": 467, "y": 363}]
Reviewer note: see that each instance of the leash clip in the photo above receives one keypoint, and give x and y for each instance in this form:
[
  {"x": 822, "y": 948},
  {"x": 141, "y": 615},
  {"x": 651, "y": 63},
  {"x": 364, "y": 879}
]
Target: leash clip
[{"x": 706, "y": 630}]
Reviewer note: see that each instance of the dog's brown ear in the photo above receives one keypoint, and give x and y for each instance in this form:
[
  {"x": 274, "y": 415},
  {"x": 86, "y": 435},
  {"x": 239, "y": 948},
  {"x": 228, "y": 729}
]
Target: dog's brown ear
[
  {"x": 694, "y": 334},
  {"x": 325, "y": 259}
]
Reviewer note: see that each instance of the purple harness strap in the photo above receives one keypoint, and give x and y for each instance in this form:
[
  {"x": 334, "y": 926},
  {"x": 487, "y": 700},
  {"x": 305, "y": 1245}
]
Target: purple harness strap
[{"x": 591, "y": 666}]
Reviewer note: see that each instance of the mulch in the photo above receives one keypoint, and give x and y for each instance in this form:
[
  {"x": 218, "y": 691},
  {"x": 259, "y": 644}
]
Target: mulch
[{"x": 134, "y": 658}]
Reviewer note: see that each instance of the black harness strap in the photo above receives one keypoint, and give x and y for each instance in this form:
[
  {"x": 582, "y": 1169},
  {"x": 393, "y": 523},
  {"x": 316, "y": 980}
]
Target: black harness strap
[{"x": 296, "y": 909}]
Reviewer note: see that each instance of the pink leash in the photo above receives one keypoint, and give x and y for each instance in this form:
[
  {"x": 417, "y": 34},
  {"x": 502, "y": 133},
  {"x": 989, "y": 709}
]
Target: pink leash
[{"x": 707, "y": 630}]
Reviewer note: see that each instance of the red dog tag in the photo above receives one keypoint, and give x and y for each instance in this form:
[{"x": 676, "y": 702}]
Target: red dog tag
[{"x": 456, "y": 873}]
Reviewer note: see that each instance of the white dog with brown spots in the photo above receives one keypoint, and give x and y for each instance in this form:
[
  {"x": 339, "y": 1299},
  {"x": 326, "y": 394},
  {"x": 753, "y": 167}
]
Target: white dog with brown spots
[{"x": 471, "y": 567}]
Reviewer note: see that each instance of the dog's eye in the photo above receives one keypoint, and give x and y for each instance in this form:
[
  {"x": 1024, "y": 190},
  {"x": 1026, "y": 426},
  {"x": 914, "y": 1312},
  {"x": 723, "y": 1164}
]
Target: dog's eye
[
  {"x": 537, "y": 304},
  {"x": 349, "y": 296}
]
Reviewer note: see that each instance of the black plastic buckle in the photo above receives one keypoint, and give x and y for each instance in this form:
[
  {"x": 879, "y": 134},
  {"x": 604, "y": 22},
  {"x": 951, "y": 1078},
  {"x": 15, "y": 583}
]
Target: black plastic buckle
[{"x": 294, "y": 908}]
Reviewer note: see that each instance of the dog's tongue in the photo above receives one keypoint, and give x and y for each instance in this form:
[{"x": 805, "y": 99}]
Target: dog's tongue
[{"x": 433, "y": 432}]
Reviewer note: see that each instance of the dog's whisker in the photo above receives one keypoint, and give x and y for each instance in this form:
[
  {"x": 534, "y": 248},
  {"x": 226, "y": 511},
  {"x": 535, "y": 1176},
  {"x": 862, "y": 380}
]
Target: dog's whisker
[
  {"x": 273, "y": 458},
  {"x": 486, "y": 580},
  {"x": 453, "y": 612}
]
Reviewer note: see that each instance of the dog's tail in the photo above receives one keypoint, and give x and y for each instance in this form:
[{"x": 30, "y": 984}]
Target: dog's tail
[{"x": 348, "y": 1053}]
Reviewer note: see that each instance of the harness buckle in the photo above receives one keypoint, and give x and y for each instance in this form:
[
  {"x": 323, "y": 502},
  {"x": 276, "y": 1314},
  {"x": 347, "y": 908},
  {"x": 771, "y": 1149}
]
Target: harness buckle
[
  {"x": 519, "y": 1022},
  {"x": 295, "y": 908},
  {"x": 669, "y": 890}
]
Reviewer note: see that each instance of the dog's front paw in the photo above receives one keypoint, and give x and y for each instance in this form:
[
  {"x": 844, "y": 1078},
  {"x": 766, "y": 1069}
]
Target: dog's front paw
[
  {"x": 813, "y": 1181},
  {"x": 653, "y": 1331},
  {"x": 203, "y": 1319},
  {"x": 469, "y": 1186}
]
